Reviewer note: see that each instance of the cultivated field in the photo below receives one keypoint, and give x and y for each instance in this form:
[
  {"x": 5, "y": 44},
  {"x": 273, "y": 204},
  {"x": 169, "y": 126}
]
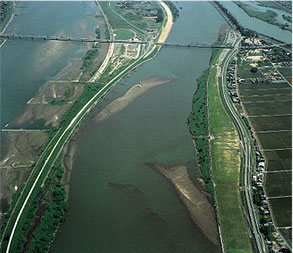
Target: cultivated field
[{"x": 268, "y": 107}]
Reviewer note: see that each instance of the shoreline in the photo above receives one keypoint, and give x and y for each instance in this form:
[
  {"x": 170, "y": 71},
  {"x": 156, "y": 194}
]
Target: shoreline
[{"x": 167, "y": 28}]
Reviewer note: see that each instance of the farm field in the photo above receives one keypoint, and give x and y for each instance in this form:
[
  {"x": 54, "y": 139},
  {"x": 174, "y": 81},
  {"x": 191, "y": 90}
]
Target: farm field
[
  {"x": 282, "y": 205},
  {"x": 269, "y": 109},
  {"x": 279, "y": 184},
  {"x": 287, "y": 73}
]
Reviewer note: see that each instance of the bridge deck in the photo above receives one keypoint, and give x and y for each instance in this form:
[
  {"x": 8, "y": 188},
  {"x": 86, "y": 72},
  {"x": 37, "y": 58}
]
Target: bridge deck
[{"x": 91, "y": 40}]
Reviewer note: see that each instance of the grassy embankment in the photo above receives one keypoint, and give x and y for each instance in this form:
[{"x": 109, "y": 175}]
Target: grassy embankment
[
  {"x": 53, "y": 151},
  {"x": 7, "y": 15},
  {"x": 268, "y": 16},
  {"x": 226, "y": 163}
]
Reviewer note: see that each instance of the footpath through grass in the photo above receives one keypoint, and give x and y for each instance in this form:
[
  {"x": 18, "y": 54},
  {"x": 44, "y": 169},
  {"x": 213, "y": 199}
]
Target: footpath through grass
[{"x": 226, "y": 163}]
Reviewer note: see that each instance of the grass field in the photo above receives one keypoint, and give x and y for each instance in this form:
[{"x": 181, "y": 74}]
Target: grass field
[
  {"x": 226, "y": 172},
  {"x": 246, "y": 73},
  {"x": 123, "y": 34}
]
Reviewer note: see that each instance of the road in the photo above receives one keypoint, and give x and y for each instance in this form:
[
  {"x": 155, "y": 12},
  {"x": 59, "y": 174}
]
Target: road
[{"x": 248, "y": 160}]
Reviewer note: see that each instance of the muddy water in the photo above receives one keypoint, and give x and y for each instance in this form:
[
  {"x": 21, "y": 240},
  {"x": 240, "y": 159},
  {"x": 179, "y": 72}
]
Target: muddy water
[{"x": 117, "y": 202}]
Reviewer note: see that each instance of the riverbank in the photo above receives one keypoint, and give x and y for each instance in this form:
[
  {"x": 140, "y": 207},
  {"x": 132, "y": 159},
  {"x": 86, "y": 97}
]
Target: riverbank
[
  {"x": 168, "y": 26},
  {"x": 7, "y": 19}
]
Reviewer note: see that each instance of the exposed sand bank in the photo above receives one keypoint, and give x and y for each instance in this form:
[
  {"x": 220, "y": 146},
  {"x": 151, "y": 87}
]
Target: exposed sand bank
[
  {"x": 167, "y": 28},
  {"x": 196, "y": 201},
  {"x": 133, "y": 93}
]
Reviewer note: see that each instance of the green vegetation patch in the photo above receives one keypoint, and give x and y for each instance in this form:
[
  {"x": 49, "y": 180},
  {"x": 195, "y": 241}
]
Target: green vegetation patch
[
  {"x": 197, "y": 120},
  {"x": 278, "y": 184},
  {"x": 272, "y": 4},
  {"x": 123, "y": 34},
  {"x": 202, "y": 146},
  {"x": 268, "y": 16},
  {"x": 173, "y": 9},
  {"x": 89, "y": 57},
  {"x": 282, "y": 209},
  {"x": 7, "y": 14},
  {"x": 115, "y": 21}
]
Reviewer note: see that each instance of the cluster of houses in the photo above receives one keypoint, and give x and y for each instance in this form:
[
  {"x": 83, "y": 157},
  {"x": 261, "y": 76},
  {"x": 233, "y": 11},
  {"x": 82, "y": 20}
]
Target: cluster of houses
[
  {"x": 136, "y": 6},
  {"x": 3, "y": 10},
  {"x": 277, "y": 55},
  {"x": 231, "y": 78},
  {"x": 258, "y": 180},
  {"x": 152, "y": 31},
  {"x": 252, "y": 41}
]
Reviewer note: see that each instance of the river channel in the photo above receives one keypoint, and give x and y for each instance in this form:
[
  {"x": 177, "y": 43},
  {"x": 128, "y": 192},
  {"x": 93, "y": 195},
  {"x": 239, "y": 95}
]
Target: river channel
[{"x": 117, "y": 202}]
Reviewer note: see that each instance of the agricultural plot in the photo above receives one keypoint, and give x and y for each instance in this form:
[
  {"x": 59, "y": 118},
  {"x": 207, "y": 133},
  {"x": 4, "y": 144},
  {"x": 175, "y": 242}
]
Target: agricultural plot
[
  {"x": 266, "y": 108},
  {"x": 267, "y": 97},
  {"x": 273, "y": 140},
  {"x": 282, "y": 205},
  {"x": 268, "y": 105},
  {"x": 246, "y": 73},
  {"x": 279, "y": 184},
  {"x": 275, "y": 165},
  {"x": 271, "y": 123},
  {"x": 286, "y": 73},
  {"x": 263, "y": 91}
]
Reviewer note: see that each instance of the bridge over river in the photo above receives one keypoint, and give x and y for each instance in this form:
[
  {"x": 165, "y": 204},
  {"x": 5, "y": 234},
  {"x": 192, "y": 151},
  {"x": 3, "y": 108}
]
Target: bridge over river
[{"x": 88, "y": 40}]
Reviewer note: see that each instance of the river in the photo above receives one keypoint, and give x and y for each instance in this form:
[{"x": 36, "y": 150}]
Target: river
[{"x": 117, "y": 202}]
